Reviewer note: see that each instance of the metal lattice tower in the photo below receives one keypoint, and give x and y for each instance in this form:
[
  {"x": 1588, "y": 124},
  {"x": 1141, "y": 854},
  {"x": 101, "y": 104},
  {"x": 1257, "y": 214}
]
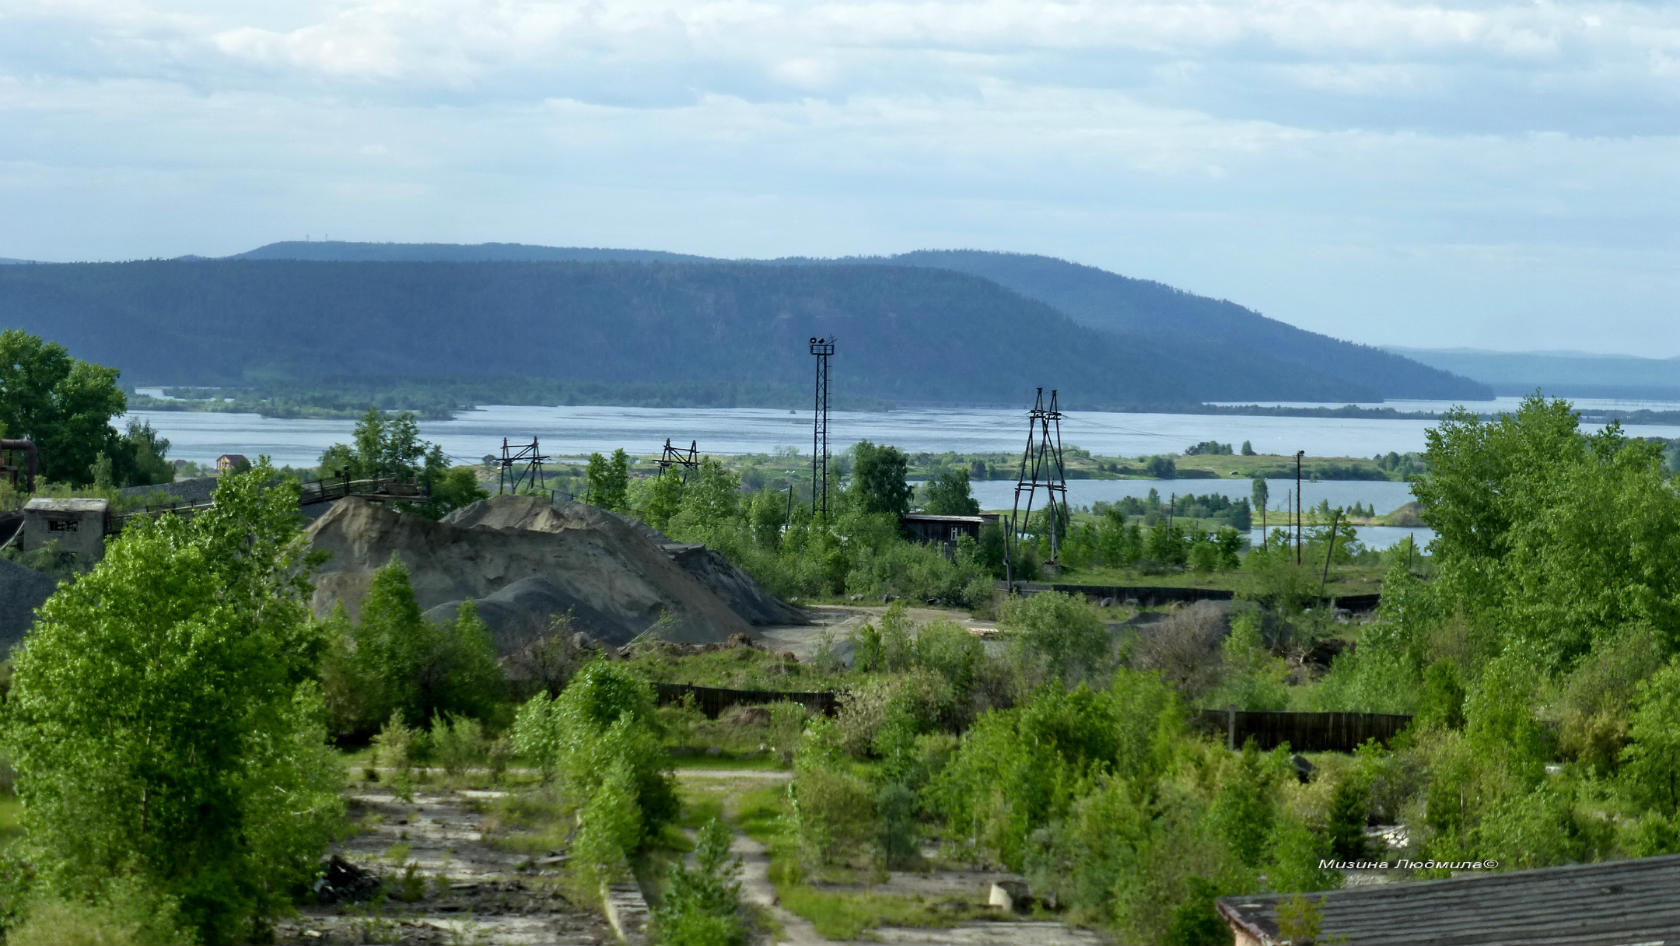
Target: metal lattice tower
[
  {"x": 674, "y": 457},
  {"x": 507, "y": 479},
  {"x": 822, "y": 348},
  {"x": 1041, "y": 468}
]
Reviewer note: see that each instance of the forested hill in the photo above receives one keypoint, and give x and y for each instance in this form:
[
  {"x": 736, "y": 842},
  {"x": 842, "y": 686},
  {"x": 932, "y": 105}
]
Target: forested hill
[
  {"x": 931, "y": 327},
  {"x": 335, "y": 251},
  {"x": 905, "y": 335},
  {"x": 1241, "y": 350},
  {"x": 1219, "y": 350}
]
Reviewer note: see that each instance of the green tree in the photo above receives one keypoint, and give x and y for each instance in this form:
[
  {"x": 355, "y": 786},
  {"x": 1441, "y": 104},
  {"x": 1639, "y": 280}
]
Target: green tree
[
  {"x": 1063, "y": 637},
  {"x": 199, "y": 772},
  {"x": 61, "y": 403},
  {"x": 948, "y": 494},
  {"x": 878, "y": 480},
  {"x": 1651, "y": 761},
  {"x": 609, "y": 481},
  {"x": 402, "y": 664},
  {"x": 390, "y": 446}
]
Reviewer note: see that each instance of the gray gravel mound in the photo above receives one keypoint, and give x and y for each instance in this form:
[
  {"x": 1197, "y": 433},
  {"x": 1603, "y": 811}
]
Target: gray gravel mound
[
  {"x": 617, "y": 582},
  {"x": 709, "y": 567},
  {"x": 22, "y": 590}
]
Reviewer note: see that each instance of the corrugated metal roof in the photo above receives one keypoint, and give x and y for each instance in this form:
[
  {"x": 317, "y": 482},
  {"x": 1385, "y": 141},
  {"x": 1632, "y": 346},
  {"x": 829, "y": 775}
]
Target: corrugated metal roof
[{"x": 1615, "y": 903}]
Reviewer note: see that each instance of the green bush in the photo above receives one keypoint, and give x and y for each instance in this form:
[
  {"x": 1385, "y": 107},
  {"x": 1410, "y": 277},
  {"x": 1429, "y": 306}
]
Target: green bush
[
  {"x": 702, "y": 906},
  {"x": 833, "y": 818},
  {"x": 458, "y": 743},
  {"x": 396, "y": 661},
  {"x": 602, "y": 737},
  {"x": 124, "y": 914}
]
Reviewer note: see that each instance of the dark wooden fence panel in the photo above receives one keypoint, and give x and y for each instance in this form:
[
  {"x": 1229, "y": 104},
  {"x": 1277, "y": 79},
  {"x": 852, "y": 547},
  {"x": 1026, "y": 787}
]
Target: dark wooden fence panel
[
  {"x": 1304, "y": 732},
  {"x": 714, "y": 700}
]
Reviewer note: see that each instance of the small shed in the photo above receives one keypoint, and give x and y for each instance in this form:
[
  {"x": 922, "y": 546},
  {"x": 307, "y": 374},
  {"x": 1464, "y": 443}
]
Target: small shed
[
  {"x": 943, "y": 531},
  {"x": 77, "y": 525},
  {"x": 1614, "y": 903},
  {"x": 232, "y": 463}
]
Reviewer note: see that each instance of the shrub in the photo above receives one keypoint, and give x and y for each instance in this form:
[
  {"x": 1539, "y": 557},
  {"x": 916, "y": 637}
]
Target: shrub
[
  {"x": 124, "y": 914},
  {"x": 393, "y": 746},
  {"x": 603, "y": 738},
  {"x": 833, "y": 816},
  {"x": 400, "y": 662},
  {"x": 458, "y": 743},
  {"x": 702, "y": 905}
]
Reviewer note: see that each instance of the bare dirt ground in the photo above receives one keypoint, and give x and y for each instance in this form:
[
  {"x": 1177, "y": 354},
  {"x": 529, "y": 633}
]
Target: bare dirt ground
[
  {"x": 460, "y": 890},
  {"x": 837, "y": 623}
]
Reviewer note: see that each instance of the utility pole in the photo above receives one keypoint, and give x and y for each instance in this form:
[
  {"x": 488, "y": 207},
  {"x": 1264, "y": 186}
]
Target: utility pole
[
  {"x": 822, "y": 348},
  {"x": 1041, "y": 467},
  {"x": 1298, "y": 455},
  {"x": 1335, "y": 518}
]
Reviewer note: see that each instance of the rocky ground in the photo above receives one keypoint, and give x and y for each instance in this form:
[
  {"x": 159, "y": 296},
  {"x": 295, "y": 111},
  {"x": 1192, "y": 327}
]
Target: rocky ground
[{"x": 421, "y": 873}]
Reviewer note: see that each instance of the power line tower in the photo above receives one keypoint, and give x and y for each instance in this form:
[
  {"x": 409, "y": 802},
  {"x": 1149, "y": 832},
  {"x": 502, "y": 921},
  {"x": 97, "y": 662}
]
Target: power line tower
[
  {"x": 507, "y": 478},
  {"x": 823, "y": 348},
  {"x": 1041, "y": 468},
  {"x": 674, "y": 457}
]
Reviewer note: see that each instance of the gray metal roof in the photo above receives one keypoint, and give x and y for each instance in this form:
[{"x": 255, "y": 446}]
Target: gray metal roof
[
  {"x": 66, "y": 505},
  {"x": 1615, "y": 903}
]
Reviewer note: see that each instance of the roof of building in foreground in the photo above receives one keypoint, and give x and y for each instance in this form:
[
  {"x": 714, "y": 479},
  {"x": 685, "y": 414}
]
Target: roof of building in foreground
[{"x": 1614, "y": 903}]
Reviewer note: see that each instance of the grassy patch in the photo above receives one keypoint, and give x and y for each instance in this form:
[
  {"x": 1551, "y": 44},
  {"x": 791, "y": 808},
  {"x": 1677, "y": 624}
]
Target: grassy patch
[
  {"x": 847, "y": 915},
  {"x": 534, "y": 822},
  {"x": 759, "y": 812},
  {"x": 755, "y": 762}
]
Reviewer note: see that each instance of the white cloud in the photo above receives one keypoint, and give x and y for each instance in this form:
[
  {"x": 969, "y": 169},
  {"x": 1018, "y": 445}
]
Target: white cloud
[{"x": 1510, "y": 149}]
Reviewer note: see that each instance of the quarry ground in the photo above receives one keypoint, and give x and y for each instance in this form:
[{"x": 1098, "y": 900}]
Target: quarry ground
[
  {"x": 835, "y": 623},
  {"x": 444, "y": 882}
]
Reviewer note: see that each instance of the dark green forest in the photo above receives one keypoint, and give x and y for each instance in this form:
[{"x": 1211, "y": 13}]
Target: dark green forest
[
  {"x": 718, "y": 332},
  {"x": 1243, "y": 354}
]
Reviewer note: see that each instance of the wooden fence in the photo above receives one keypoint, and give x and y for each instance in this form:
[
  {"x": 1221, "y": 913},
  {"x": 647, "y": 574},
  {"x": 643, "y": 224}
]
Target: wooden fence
[
  {"x": 1304, "y": 732},
  {"x": 714, "y": 700}
]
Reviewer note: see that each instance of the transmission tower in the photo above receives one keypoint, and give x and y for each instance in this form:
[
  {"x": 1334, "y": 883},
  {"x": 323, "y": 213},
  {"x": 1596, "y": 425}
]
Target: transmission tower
[
  {"x": 674, "y": 457},
  {"x": 822, "y": 348},
  {"x": 1041, "y": 468},
  {"x": 508, "y": 479}
]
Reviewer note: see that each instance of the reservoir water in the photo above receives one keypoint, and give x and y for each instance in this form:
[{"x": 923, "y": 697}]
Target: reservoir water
[{"x": 579, "y": 431}]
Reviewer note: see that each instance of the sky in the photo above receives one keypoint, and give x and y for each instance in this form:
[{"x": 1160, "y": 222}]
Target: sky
[{"x": 1499, "y": 175}]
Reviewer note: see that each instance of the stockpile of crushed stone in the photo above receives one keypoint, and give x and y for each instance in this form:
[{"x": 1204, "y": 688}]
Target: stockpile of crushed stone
[
  {"x": 738, "y": 589},
  {"x": 22, "y": 590},
  {"x": 521, "y": 559}
]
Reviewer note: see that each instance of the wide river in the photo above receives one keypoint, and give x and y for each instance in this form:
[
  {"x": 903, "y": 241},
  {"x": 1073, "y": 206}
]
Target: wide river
[{"x": 579, "y": 431}]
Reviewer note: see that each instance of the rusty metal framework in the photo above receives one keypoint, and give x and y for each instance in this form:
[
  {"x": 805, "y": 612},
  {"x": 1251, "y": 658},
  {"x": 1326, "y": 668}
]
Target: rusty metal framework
[
  {"x": 1041, "y": 468},
  {"x": 12, "y": 468},
  {"x": 822, "y": 348},
  {"x": 689, "y": 461},
  {"x": 519, "y": 465}
]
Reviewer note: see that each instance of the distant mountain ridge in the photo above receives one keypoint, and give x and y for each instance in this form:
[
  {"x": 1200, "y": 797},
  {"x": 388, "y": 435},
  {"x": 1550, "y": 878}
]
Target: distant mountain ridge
[
  {"x": 1561, "y": 374},
  {"x": 336, "y": 251},
  {"x": 951, "y": 327}
]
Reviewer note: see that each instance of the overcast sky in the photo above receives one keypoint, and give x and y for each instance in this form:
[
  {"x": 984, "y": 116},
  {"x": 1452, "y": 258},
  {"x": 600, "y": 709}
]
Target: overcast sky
[{"x": 1486, "y": 174}]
